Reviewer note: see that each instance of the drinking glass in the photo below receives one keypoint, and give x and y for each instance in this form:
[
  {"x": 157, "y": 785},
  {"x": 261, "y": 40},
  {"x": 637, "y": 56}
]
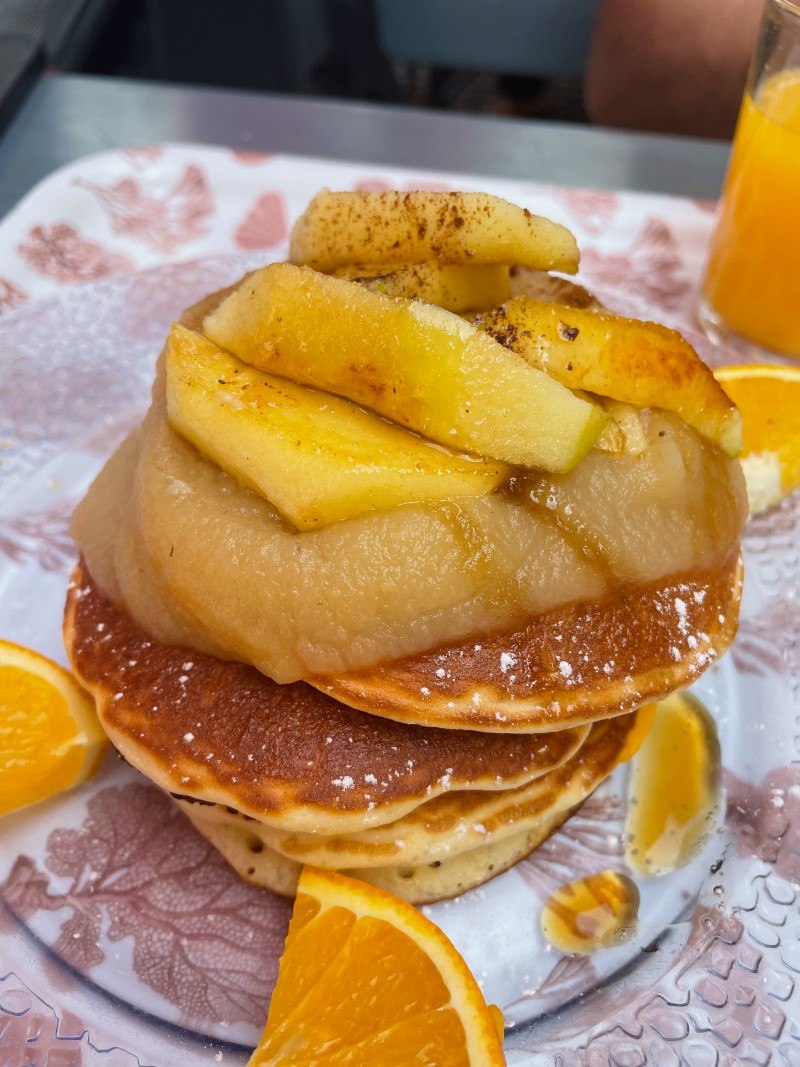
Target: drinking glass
[{"x": 751, "y": 291}]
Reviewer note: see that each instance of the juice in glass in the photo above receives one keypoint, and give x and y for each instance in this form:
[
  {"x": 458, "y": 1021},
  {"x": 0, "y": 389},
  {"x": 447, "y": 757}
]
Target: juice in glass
[{"x": 752, "y": 279}]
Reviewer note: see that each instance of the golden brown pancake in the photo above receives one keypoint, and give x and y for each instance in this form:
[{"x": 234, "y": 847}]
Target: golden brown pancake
[
  {"x": 243, "y": 847},
  {"x": 456, "y": 823},
  {"x": 577, "y": 664},
  {"x": 222, "y": 732}
]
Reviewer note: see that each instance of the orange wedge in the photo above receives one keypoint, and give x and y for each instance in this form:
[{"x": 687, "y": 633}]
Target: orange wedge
[
  {"x": 769, "y": 399},
  {"x": 50, "y": 737},
  {"x": 366, "y": 978}
]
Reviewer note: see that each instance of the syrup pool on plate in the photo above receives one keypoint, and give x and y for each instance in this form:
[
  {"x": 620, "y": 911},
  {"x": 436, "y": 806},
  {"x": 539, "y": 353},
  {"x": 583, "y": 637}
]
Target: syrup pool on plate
[
  {"x": 674, "y": 787},
  {"x": 591, "y": 913}
]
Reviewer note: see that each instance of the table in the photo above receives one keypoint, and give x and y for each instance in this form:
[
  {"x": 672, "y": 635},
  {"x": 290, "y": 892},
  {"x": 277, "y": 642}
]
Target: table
[{"x": 68, "y": 116}]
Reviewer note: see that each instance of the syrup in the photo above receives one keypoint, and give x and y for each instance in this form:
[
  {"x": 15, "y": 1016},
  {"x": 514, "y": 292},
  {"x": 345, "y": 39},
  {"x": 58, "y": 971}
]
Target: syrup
[
  {"x": 591, "y": 913},
  {"x": 645, "y": 717},
  {"x": 674, "y": 787}
]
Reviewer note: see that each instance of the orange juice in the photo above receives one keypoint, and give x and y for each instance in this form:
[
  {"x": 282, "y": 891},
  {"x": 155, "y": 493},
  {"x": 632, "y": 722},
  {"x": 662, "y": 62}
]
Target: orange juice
[{"x": 753, "y": 275}]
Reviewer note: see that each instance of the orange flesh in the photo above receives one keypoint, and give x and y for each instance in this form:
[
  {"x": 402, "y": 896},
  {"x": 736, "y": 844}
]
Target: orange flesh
[
  {"x": 353, "y": 989},
  {"x": 769, "y": 409},
  {"x": 39, "y": 750}
]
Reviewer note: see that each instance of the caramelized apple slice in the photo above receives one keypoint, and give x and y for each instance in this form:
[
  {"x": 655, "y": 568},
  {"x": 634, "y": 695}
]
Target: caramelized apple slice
[
  {"x": 641, "y": 363},
  {"x": 456, "y": 289},
  {"x": 471, "y": 229},
  {"x": 317, "y": 458},
  {"x": 551, "y": 288},
  {"x": 415, "y": 363}
]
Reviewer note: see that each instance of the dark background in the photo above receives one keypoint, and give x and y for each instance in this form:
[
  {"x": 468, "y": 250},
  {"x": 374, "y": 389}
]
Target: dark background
[{"x": 510, "y": 57}]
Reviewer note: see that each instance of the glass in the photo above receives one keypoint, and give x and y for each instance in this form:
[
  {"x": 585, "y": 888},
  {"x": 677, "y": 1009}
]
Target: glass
[{"x": 751, "y": 291}]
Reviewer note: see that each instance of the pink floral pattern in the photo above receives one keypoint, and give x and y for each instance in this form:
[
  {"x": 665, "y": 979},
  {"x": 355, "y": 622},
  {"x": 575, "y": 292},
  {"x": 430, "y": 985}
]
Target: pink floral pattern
[
  {"x": 766, "y": 818},
  {"x": 150, "y": 303},
  {"x": 592, "y": 209},
  {"x": 11, "y": 296},
  {"x": 158, "y": 199},
  {"x": 590, "y": 841},
  {"x": 757, "y": 649},
  {"x": 380, "y": 185},
  {"x": 142, "y": 156},
  {"x": 59, "y": 252},
  {"x": 430, "y": 185},
  {"x": 41, "y": 537},
  {"x": 264, "y": 226},
  {"x": 163, "y": 223},
  {"x": 372, "y": 185},
  {"x": 204, "y": 939},
  {"x": 650, "y": 270},
  {"x": 250, "y": 159}
]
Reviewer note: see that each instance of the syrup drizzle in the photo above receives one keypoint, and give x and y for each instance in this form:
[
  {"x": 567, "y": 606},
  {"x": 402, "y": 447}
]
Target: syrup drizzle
[
  {"x": 674, "y": 787},
  {"x": 591, "y": 913}
]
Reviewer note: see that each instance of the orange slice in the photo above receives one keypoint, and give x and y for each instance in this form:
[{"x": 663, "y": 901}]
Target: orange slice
[
  {"x": 50, "y": 737},
  {"x": 366, "y": 978},
  {"x": 769, "y": 399}
]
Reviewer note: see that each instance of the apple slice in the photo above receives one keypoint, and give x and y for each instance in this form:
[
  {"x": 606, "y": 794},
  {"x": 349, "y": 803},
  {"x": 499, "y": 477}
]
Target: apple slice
[
  {"x": 415, "y": 363},
  {"x": 638, "y": 362},
  {"x": 456, "y": 289},
  {"x": 317, "y": 458},
  {"x": 472, "y": 229}
]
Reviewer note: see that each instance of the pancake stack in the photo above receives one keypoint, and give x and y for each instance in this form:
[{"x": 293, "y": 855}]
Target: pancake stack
[
  {"x": 280, "y": 775},
  {"x": 426, "y": 775}
]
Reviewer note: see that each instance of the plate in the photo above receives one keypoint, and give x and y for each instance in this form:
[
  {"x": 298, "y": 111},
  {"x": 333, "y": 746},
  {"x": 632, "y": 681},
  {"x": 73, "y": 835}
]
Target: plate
[{"x": 126, "y": 939}]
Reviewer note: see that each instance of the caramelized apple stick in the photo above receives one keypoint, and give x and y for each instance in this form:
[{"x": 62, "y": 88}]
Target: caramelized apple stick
[
  {"x": 472, "y": 229},
  {"x": 456, "y": 289},
  {"x": 641, "y": 363},
  {"x": 423, "y": 367},
  {"x": 317, "y": 458}
]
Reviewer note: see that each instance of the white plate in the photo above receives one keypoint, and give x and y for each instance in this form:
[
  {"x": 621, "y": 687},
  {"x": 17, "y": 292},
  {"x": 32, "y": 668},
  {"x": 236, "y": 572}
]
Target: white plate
[{"x": 110, "y": 897}]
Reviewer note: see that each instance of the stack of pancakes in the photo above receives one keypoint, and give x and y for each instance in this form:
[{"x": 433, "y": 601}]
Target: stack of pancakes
[
  {"x": 280, "y": 775},
  {"x": 426, "y": 775}
]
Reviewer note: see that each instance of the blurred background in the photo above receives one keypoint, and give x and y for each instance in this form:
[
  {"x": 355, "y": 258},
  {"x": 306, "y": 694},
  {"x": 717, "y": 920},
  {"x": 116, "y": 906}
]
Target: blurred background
[{"x": 664, "y": 65}]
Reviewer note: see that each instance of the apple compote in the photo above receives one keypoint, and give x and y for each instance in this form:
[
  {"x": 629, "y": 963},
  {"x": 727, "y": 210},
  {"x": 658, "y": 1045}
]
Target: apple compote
[
  {"x": 335, "y": 475},
  {"x": 202, "y": 562}
]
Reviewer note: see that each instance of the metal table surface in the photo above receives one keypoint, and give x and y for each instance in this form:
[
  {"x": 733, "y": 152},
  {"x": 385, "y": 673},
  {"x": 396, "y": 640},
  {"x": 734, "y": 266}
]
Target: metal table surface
[{"x": 68, "y": 116}]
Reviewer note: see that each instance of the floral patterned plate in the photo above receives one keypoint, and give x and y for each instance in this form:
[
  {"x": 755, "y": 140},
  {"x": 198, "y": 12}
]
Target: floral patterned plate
[{"x": 126, "y": 940}]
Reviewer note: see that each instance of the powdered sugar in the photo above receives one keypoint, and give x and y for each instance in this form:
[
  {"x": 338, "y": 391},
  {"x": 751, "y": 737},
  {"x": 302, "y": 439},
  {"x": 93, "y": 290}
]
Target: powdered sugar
[{"x": 507, "y": 661}]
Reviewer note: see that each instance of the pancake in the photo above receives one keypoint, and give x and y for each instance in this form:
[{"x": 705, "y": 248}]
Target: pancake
[
  {"x": 243, "y": 847},
  {"x": 577, "y": 664},
  {"x": 418, "y": 695},
  {"x": 458, "y": 822},
  {"x": 222, "y": 732}
]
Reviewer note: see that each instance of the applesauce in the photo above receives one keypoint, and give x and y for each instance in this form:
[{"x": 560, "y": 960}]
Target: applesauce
[{"x": 201, "y": 562}]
